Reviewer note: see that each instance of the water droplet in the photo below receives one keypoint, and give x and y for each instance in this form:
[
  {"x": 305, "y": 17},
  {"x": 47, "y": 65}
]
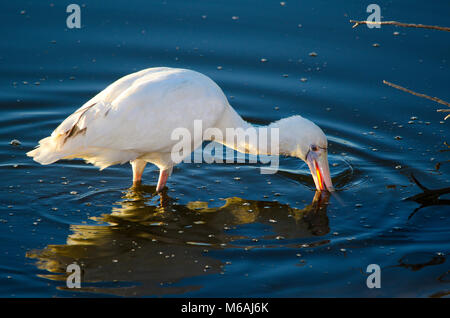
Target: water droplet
[{"x": 15, "y": 142}]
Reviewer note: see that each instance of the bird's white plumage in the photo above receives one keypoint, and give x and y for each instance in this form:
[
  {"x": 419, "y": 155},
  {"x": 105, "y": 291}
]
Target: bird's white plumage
[
  {"x": 134, "y": 117},
  {"x": 133, "y": 120}
]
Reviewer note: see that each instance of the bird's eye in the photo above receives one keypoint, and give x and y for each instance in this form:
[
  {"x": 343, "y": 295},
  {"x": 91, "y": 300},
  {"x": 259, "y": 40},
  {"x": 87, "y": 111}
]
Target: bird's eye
[{"x": 314, "y": 148}]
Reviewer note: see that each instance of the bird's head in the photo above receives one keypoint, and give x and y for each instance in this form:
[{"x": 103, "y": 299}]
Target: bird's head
[{"x": 303, "y": 139}]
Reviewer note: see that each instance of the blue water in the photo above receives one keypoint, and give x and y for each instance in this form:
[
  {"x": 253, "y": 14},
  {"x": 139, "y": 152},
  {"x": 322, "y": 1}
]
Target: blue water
[{"x": 215, "y": 235}]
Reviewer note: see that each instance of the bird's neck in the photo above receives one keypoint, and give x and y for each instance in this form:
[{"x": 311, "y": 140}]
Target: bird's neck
[{"x": 242, "y": 136}]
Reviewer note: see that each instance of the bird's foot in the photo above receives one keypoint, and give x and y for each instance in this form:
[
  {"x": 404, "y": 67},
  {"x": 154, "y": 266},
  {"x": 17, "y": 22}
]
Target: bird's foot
[{"x": 163, "y": 176}]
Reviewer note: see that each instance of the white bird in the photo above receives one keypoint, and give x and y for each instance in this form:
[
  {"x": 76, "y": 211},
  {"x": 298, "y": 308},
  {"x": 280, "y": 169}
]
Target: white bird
[{"x": 133, "y": 118}]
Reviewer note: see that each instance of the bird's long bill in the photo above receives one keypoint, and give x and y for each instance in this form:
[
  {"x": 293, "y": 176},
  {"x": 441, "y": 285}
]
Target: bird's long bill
[{"x": 320, "y": 171}]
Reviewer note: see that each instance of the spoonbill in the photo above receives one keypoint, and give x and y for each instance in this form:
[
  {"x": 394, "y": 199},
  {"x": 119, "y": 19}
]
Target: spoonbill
[{"x": 133, "y": 118}]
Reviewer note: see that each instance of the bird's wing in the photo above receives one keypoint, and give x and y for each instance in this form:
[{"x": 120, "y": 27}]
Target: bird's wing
[
  {"x": 105, "y": 97},
  {"x": 140, "y": 111}
]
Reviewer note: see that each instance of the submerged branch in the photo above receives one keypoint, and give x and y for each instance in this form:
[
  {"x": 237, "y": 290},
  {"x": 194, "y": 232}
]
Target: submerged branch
[
  {"x": 435, "y": 99},
  {"x": 428, "y": 197},
  {"x": 406, "y": 25}
]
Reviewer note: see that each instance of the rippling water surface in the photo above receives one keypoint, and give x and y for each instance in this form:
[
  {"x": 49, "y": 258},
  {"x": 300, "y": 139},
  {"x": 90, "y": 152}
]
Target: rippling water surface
[{"x": 226, "y": 229}]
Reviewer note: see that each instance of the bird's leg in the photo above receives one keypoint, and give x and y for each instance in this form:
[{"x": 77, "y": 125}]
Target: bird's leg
[
  {"x": 163, "y": 176},
  {"x": 138, "y": 166}
]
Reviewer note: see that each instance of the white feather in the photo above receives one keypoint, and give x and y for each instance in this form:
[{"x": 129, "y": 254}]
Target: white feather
[{"x": 134, "y": 117}]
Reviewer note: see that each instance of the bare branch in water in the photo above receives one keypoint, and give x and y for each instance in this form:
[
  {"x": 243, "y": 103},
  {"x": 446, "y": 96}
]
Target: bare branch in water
[
  {"x": 406, "y": 25},
  {"x": 446, "y": 111},
  {"x": 428, "y": 197},
  {"x": 434, "y": 99}
]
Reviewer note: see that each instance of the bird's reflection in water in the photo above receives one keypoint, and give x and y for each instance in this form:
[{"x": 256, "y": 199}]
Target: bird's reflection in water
[{"x": 146, "y": 248}]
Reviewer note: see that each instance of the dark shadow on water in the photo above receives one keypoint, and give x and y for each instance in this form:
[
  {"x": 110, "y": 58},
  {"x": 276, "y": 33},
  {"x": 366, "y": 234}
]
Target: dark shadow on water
[
  {"x": 149, "y": 243},
  {"x": 417, "y": 261},
  {"x": 428, "y": 197}
]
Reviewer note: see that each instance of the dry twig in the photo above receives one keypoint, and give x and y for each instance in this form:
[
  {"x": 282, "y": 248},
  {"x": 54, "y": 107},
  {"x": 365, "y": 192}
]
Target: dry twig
[
  {"x": 407, "y": 25},
  {"x": 435, "y": 99}
]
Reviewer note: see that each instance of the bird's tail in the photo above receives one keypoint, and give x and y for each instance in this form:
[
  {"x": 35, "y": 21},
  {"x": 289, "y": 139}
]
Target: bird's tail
[{"x": 48, "y": 151}]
